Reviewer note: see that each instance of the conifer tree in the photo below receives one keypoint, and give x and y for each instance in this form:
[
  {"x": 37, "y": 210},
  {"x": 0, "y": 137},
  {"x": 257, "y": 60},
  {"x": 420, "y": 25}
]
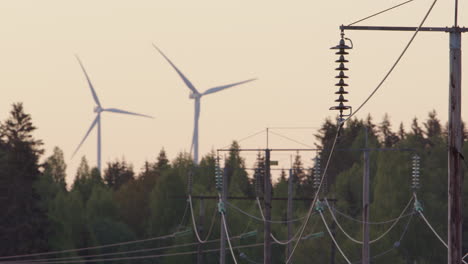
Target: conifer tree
[{"x": 23, "y": 225}]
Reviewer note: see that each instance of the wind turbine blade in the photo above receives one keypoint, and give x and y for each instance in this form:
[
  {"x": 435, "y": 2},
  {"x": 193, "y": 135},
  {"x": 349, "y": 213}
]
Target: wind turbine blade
[
  {"x": 96, "y": 99},
  {"x": 115, "y": 110},
  {"x": 219, "y": 88},
  {"x": 186, "y": 81},
  {"x": 87, "y": 133}
]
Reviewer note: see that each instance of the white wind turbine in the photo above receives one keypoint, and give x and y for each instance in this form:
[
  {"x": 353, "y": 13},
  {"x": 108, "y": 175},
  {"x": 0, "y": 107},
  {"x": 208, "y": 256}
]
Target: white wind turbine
[
  {"x": 196, "y": 95},
  {"x": 97, "y": 121}
]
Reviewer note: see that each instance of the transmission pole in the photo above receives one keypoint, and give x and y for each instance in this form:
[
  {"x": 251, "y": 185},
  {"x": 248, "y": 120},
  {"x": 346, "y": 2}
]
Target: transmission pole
[
  {"x": 455, "y": 133},
  {"x": 222, "y": 248},
  {"x": 289, "y": 212},
  {"x": 455, "y": 140},
  {"x": 365, "y": 204},
  {"x": 267, "y": 197}
]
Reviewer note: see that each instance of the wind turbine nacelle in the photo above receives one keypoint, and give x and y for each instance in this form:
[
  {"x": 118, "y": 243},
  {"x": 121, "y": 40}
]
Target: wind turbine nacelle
[
  {"x": 97, "y": 109},
  {"x": 194, "y": 96}
]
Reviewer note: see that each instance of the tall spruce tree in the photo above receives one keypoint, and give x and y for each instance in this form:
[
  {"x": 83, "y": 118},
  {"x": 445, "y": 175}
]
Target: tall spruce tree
[{"x": 23, "y": 225}]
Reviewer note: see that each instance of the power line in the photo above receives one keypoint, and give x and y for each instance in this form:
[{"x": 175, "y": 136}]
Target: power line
[
  {"x": 247, "y": 137},
  {"x": 378, "y": 238},
  {"x": 223, "y": 217},
  {"x": 263, "y": 219},
  {"x": 309, "y": 213},
  {"x": 395, "y": 245},
  {"x": 333, "y": 238},
  {"x": 369, "y": 222},
  {"x": 291, "y": 139},
  {"x": 138, "y": 257},
  {"x": 378, "y": 13},
  {"x": 395, "y": 64},
  {"x": 202, "y": 241},
  {"x": 432, "y": 228},
  {"x": 93, "y": 247}
]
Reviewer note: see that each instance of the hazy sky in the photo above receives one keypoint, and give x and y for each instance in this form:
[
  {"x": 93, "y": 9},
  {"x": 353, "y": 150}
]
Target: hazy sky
[{"x": 283, "y": 43}]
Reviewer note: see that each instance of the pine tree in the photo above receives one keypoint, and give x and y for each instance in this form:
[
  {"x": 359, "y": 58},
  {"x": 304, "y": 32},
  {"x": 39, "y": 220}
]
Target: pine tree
[
  {"x": 23, "y": 225},
  {"x": 118, "y": 173},
  {"x": 388, "y": 138}
]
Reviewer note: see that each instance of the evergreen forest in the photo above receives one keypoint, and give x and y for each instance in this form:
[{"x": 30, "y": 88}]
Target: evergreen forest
[{"x": 141, "y": 215}]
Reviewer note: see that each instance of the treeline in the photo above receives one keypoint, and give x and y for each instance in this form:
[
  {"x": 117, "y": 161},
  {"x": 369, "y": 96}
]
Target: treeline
[{"x": 40, "y": 213}]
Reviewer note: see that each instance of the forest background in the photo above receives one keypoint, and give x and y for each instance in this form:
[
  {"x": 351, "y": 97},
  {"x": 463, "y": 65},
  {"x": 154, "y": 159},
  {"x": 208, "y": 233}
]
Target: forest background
[{"x": 40, "y": 213}]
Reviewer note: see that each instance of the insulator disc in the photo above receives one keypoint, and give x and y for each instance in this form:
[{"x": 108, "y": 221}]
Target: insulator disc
[
  {"x": 342, "y": 59},
  {"x": 341, "y": 52},
  {"x": 341, "y": 67},
  {"x": 341, "y": 75},
  {"x": 341, "y": 91},
  {"x": 341, "y": 83}
]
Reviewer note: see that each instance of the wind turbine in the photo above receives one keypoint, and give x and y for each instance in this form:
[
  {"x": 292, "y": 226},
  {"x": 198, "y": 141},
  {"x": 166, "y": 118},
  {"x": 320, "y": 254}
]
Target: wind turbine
[
  {"x": 98, "y": 109},
  {"x": 196, "y": 96}
]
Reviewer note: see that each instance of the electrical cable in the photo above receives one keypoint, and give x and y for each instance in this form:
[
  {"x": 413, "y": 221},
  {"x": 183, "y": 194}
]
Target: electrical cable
[
  {"x": 113, "y": 253},
  {"x": 245, "y": 138},
  {"x": 89, "y": 248},
  {"x": 428, "y": 224},
  {"x": 195, "y": 224},
  {"x": 309, "y": 213},
  {"x": 395, "y": 64},
  {"x": 138, "y": 257},
  {"x": 291, "y": 139},
  {"x": 271, "y": 234},
  {"x": 372, "y": 241},
  {"x": 223, "y": 217},
  {"x": 378, "y": 13},
  {"x": 432, "y": 228},
  {"x": 395, "y": 245},
  {"x": 333, "y": 238},
  {"x": 370, "y": 223},
  {"x": 261, "y": 219},
  {"x": 118, "y": 253}
]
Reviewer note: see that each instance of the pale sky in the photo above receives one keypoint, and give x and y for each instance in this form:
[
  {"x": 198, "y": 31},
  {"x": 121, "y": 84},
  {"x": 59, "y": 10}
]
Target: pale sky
[{"x": 285, "y": 44}]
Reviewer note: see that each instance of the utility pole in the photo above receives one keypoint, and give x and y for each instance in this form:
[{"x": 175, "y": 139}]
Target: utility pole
[
  {"x": 201, "y": 218},
  {"x": 289, "y": 212},
  {"x": 455, "y": 133},
  {"x": 222, "y": 248},
  {"x": 267, "y": 213},
  {"x": 365, "y": 205},
  {"x": 455, "y": 140}
]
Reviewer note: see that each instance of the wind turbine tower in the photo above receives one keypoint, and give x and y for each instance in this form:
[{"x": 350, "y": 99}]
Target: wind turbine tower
[
  {"x": 196, "y": 96},
  {"x": 98, "y": 109}
]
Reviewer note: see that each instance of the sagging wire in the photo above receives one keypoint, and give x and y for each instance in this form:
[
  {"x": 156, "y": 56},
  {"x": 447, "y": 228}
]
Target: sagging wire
[
  {"x": 333, "y": 238},
  {"x": 90, "y": 248},
  {"x": 395, "y": 245},
  {"x": 223, "y": 217},
  {"x": 369, "y": 222},
  {"x": 140, "y": 257},
  {"x": 259, "y": 204},
  {"x": 374, "y": 240},
  {"x": 419, "y": 209},
  {"x": 262, "y": 219},
  {"x": 202, "y": 241}
]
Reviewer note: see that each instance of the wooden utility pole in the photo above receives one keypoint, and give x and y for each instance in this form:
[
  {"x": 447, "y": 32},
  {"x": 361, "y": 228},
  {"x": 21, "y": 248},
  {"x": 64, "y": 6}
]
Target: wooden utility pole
[
  {"x": 455, "y": 133},
  {"x": 222, "y": 248},
  {"x": 365, "y": 205},
  {"x": 201, "y": 219},
  {"x": 267, "y": 213},
  {"x": 455, "y": 141},
  {"x": 289, "y": 212}
]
